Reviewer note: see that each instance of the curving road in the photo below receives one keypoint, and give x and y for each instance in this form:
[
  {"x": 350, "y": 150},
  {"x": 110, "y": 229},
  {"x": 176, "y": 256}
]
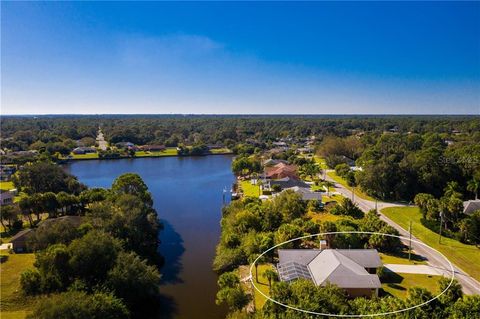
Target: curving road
[{"x": 469, "y": 284}]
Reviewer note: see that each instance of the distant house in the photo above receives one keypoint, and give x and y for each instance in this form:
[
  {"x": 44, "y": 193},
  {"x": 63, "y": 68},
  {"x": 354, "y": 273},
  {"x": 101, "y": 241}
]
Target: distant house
[
  {"x": 470, "y": 206},
  {"x": 281, "y": 170},
  {"x": 84, "y": 150},
  {"x": 152, "y": 148},
  {"x": 215, "y": 146},
  {"x": 305, "y": 150},
  {"x": 284, "y": 183},
  {"x": 273, "y": 162},
  {"x": 305, "y": 193},
  {"x": 351, "y": 269},
  {"x": 126, "y": 145},
  {"x": 6, "y": 172},
  {"x": 280, "y": 144},
  {"x": 6, "y": 197},
  {"x": 19, "y": 241},
  {"x": 350, "y": 162}
]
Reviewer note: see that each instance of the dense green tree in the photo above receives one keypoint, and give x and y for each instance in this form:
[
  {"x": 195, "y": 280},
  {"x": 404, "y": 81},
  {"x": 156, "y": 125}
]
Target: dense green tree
[
  {"x": 93, "y": 255},
  {"x": 134, "y": 281},
  {"x": 132, "y": 184},
  {"x": 79, "y": 305},
  {"x": 42, "y": 177}
]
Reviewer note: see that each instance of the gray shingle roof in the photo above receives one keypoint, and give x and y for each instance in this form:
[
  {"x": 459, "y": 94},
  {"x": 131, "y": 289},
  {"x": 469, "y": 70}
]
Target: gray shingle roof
[
  {"x": 470, "y": 206},
  {"x": 344, "y": 268}
]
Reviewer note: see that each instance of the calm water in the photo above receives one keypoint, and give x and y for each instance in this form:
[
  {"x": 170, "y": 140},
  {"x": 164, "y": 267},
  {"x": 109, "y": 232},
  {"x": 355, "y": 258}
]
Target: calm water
[{"x": 187, "y": 193}]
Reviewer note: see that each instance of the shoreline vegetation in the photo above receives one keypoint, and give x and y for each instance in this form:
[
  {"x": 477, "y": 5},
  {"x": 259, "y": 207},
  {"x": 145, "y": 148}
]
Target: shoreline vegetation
[{"x": 141, "y": 154}]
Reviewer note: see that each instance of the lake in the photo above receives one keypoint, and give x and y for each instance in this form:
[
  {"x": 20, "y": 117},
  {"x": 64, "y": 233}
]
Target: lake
[{"x": 188, "y": 196}]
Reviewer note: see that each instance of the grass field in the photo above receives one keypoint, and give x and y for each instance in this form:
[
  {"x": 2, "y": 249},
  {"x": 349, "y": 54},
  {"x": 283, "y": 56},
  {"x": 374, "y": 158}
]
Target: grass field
[
  {"x": 402, "y": 258},
  {"x": 397, "y": 285},
  {"x": 169, "y": 151},
  {"x": 467, "y": 257},
  {"x": 6, "y": 186},
  {"x": 84, "y": 156},
  {"x": 249, "y": 190},
  {"x": 221, "y": 151},
  {"x": 262, "y": 284},
  {"x": 341, "y": 181},
  {"x": 321, "y": 162},
  {"x": 324, "y": 217},
  {"x": 13, "y": 303}
]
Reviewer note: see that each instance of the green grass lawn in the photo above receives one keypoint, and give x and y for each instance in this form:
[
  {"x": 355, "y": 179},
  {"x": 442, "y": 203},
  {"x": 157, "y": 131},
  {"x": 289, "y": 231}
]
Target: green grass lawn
[
  {"x": 261, "y": 284},
  {"x": 397, "y": 284},
  {"x": 169, "y": 151},
  {"x": 221, "y": 151},
  {"x": 6, "y": 186},
  {"x": 467, "y": 257},
  {"x": 323, "y": 217},
  {"x": 84, "y": 156},
  {"x": 402, "y": 258},
  {"x": 341, "y": 181},
  {"x": 321, "y": 162},
  {"x": 13, "y": 303},
  {"x": 249, "y": 190}
]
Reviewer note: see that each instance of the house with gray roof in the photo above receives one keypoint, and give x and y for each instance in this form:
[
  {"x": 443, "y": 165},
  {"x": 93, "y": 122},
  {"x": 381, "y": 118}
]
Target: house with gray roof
[
  {"x": 470, "y": 206},
  {"x": 351, "y": 269}
]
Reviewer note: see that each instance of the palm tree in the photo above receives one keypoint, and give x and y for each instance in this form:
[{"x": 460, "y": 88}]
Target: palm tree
[
  {"x": 451, "y": 190},
  {"x": 473, "y": 185},
  {"x": 328, "y": 184},
  {"x": 270, "y": 275}
]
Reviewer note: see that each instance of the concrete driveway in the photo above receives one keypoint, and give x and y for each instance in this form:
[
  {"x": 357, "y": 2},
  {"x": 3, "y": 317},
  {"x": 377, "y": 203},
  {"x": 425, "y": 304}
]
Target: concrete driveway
[{"x": 416, "y": 269}]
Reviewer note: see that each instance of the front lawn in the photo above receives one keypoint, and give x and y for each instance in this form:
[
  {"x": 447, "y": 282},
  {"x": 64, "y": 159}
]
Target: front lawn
[
  {"x": 84, "y": 156},
  {"x": 169, "y": 151},
  {"x": 261, "y": 284},
  {"x": 402, "y": 258},
  {"x": 397, "y": 284},
  {"x": 249, "y": 190},
  {"x": 221, "y": 151},
  {"x": 13, "y": 303},
  {"x": 323, "y": 217},
  {"x": 6, "y": 186},
  {"x": 467, "y": 257}
]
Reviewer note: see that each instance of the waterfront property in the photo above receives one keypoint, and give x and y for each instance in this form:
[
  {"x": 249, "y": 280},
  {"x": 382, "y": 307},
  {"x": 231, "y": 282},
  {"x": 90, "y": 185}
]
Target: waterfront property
[{"x": 351, "y": 269}]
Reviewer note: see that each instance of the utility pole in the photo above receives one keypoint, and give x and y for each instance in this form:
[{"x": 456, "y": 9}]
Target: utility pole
[
  {"x": 410, "y": 244},
  {"x": 376, "y": 208},
  {"x": 353, "y": 194},
  {"x": 440, "y": 232}
]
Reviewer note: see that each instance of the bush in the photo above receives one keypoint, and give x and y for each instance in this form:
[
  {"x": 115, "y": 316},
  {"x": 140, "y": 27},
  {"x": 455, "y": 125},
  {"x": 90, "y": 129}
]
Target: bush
[
  {"x": 30, "y": 281},
  {"x": 79, "y": 305}
]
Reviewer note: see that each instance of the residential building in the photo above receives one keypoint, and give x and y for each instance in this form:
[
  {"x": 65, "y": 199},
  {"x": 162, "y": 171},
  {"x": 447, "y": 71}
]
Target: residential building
[
  {"x": 6, "y": 197},
  {"x": 19, "y": 241},
  {"x": 281, "y": 170},
  {"x": 305, "y": 193},
  {"x": 84, "y": 150},
  {"x": 470, "y": 206},
  {"x": 152, "y": 148},
  {"x": 351, "y": 269}
]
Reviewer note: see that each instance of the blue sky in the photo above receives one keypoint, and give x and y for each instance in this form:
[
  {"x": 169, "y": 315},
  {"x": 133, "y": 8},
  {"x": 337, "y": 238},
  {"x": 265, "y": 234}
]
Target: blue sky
[{"x": 230, "y": 57}]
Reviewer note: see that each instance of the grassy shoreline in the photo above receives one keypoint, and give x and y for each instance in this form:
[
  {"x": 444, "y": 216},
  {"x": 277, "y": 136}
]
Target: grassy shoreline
[{"x": 94, "y": 156}]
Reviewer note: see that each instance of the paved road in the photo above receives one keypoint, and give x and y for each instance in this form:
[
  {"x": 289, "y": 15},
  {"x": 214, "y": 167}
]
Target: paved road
[
  {"x": 102, "y": 144},
  {"x": 469, "y": 284}
]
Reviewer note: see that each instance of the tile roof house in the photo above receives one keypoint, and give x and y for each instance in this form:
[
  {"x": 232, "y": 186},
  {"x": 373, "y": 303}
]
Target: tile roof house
[
  {"x": 281, "y": 170},
  {"x": 351, "y": 269},
  {"x": 470, "y": 206}
]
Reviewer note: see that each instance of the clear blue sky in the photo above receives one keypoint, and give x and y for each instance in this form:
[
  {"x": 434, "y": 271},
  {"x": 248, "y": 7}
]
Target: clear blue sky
[{"x": 312, "y": 57}]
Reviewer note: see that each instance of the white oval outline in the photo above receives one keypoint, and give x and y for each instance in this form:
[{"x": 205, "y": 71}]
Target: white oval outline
[{"x": 350, "y": 315}]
